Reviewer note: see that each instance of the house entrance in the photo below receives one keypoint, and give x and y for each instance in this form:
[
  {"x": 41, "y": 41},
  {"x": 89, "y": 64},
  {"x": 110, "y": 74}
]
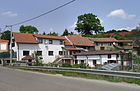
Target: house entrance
[{"x": 111, "y": 61}]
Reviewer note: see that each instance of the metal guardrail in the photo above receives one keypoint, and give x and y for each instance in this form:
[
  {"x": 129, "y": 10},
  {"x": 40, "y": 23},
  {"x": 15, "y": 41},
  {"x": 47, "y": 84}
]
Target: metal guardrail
[{"x": 88, "y": 71}]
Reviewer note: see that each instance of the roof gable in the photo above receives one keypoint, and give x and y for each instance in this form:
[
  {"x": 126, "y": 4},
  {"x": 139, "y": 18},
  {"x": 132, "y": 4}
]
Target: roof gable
[
  {"x": 24, "y": 38},
  {"x": 78, "y": 40}
]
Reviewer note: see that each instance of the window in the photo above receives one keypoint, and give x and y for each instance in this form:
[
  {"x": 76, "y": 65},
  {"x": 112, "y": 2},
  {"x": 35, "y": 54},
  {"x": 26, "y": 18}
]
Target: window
[
  {"x": 96, "y": 43},
  {"x": 3, "y": 47},
  {"x": 109, "y": 55},
  {"x": 50, "y": 53},
  {"x": 102, "y": 44},
  {"x": 82, "y": 61},
  {"x": 60, "y": 52},
  {"x": 102, "y": 48},
  {"x": 109, "y": 44},
  {"x": 61, "y": 42},
  {"x": 50, "y": 41},
  {"x": 70, "y": 52},
  {"x": 94, "y": 62},
  {"x": 40, "y": 40},
  {"x": 39, "y": 53},
  {"x": 25, "y": 53}
]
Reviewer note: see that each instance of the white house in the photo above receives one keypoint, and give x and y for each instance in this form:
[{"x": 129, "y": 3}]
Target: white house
[
  {"x": 93, "y": 58},
  {"x": 48, "y": 47}
]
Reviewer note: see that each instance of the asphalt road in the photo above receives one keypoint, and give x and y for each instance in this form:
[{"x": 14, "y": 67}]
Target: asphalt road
[{"x": 17, "y": 80}]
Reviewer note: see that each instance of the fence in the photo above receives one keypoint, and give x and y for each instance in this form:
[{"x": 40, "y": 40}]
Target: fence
[{"x": 87, "y": 71}]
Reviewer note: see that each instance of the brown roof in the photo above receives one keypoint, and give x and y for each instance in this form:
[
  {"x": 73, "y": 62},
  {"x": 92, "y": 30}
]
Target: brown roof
[
  {"x": 66, "y": 42},
  {"x": 4, "y": 40},
  {"x": 103, "y": 39},
  {"x": 100, "y": 52},
  {"x": 70, "y": 48},
  {"x": 78, "y": 40},
  {"x": 24, "y": 38},
  {"x": 27, "y": 58},
  {"x": 124, "y": 40},
  {"x": 49, "y": 37}
]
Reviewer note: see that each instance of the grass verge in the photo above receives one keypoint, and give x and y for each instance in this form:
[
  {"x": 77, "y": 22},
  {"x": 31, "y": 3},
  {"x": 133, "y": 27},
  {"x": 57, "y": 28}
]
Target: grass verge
[{"x": 83, "y": 75}]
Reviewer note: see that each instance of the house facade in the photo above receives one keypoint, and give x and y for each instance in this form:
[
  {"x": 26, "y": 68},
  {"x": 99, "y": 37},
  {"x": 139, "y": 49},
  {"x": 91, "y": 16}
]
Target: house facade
[
  {"x": 47, "y": 47},
  {"x": 99, "y": 57},
  {"x": 3, "y": 48}
]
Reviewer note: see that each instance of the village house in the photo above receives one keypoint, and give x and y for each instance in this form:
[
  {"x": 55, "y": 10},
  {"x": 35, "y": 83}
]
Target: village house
[
  {"x": 72, "y": 49},
  {"x": 47, "y": 47},
  {"x": 100, "y": 57},
  {"x": 3, "y": 49}
]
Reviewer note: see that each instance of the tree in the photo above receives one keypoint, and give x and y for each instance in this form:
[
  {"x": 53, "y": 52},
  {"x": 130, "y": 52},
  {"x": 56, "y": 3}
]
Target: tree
[
  {"x": 5, "y": 35},
  {"x": 88, "y": 23},
  {"x": 53, "y": 34},
  {"x": 65, "y": 33},
  {"x": 43, "y": 33},
  {"x": 28, "y": 29}
]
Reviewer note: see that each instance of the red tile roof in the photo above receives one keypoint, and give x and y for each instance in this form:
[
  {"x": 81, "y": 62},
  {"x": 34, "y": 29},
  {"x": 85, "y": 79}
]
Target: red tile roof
[
  {"x": 100, "y": 52},
  {"x": 127, "y": 47},
  {"x": 123, "y": 33},
  {"x": 70, "y": 48},
  {"x": 66, "y": 42},
  {"x": 4, "y": 40},
  {"x": 50, "y": 37},
  {"x": 27, "y": 58},
  {"x": 78, "y": 40},
  {"x": 24, "y": 38},
  {"x": 103, "y": 39},
  {"x": 124, "y": 40}
]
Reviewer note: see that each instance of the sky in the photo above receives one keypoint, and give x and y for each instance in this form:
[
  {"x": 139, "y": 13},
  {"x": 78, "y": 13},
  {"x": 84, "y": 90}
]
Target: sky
[{"x": 113, "y": 14}]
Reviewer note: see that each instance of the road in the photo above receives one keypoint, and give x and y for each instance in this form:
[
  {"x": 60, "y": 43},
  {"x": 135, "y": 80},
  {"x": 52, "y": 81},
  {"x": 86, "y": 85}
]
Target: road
[{"x": 17, "y": 80}]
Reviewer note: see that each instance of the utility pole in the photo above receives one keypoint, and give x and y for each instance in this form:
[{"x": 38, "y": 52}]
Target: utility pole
[{"x": 10, "y": 26}]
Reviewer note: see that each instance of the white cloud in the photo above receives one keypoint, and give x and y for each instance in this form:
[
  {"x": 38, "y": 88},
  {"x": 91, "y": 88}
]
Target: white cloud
[
  {"x": 120, "y": 13},
  {"x": 10, "y": 14}
]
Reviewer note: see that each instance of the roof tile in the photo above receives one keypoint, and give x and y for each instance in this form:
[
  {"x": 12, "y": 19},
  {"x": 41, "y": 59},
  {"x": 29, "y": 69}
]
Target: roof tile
[{"x": 24, "y": 38}]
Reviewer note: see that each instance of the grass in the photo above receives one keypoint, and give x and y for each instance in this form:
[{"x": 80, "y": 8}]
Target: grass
[{"x": 88, "y": 76}]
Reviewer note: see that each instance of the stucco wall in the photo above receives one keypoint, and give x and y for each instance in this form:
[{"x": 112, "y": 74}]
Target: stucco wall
[
  {"x": 55, "y": 47},
  {"x": 100, "y": 59}
]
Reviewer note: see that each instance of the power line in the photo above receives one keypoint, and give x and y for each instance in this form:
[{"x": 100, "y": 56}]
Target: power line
[{"x": 44, "y": 13}]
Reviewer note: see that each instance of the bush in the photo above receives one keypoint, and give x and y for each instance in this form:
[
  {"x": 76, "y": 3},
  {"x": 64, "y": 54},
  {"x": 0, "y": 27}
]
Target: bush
[
  {"x": 83, "y": 65},
  {"x": 75, "y": 66},
  {"x": 66, "y": 65}
]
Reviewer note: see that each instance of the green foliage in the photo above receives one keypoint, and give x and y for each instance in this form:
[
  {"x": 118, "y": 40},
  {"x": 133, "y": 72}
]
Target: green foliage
[
  {"x": 53, "y": 34},
  {"x": 116, "y": 31},
  {"x": 66, "y": 65},
  {"x": 28, "y": 29},
  {"x": 88, "y": 23},
  {"x": 36, "y": 59},
  {"x": 5, "y": 35},
  {"x": 65, "y": 33},
  {"x": 83, "y": 65},
  {"x": 43, "y": 33},
  {"x": 118, "y": 37},
  {"x": 75, "y": 66}
]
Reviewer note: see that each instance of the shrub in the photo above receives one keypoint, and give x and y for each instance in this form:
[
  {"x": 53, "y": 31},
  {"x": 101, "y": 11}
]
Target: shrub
[
  {"x": 66, "y": 65},
  {"x": 75, "y": 66},
  {"x": 82, "y": 65}
]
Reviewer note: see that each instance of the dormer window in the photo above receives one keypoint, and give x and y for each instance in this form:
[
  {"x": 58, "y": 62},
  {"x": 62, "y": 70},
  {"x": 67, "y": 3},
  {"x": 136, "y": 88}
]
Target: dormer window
[{"x": 50, "y": 41}]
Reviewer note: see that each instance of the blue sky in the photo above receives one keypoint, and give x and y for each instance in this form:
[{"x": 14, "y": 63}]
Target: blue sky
[{"x": 114, "y": 14}]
